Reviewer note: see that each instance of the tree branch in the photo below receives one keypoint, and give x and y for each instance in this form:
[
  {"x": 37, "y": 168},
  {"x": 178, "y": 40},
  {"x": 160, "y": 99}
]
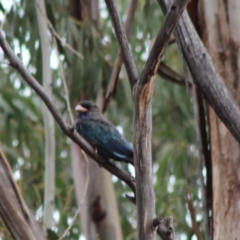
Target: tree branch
[
  {"x": 170, "y": 75},
  {"x": 16, "y": 63},
  {"x": 118, "y": 62},
  {"x": 162, "y": 40},
  {"x": 122, "y": 40},
  {"x": 204, "y": 73},
  {"x": 142, "y": 93}
]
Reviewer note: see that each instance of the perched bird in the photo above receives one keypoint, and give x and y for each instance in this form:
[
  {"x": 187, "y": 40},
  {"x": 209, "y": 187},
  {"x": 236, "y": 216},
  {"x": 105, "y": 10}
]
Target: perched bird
[{"x": 101, "y": 134}]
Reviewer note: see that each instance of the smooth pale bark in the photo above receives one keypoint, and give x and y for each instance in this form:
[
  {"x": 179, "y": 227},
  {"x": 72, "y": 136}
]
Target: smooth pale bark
[
  {"x": 220, "y": 24},
  {"x": 99, "y": 214},
  {"x": 49, "y": 174}
]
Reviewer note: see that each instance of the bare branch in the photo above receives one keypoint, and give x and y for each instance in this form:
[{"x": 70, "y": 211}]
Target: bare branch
[
  {"x": 122, "y": 40},
  {"x": 64, "y": 83},
  {"x": 204, "y": 73},
  {"x": 118, "y": 62},
  {"x": 170, "y": 75},
  {"x": 16, "y": 63},
  {"x": 162, "y": 40}
]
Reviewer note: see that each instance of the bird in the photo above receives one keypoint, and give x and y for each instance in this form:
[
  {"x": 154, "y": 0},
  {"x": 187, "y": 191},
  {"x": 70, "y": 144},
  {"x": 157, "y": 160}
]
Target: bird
[{"x": 101, "y": 134}]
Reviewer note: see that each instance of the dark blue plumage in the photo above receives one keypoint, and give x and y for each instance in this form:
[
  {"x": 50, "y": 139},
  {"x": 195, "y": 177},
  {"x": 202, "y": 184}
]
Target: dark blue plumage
[{"x": 101, "y": 134}]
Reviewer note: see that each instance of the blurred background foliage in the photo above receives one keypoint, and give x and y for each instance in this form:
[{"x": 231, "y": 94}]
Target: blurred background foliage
[{"x": 175, "y": 163}]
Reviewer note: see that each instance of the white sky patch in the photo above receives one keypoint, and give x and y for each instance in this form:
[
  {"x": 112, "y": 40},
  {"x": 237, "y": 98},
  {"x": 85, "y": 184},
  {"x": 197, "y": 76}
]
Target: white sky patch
[
  {"x": 25, "y": 55},
  {"x": 82, "y": 238},
  {"x": 155, "y": 169},
  {"x": 7, "y": 4},
  {"x": 20, "y": 161},
  {"x": 56, "y": 216},
  {"x": 105, "y": 40},
  {"x": 194, "y": 237},
  {"x": 17, "y": 83},
  {"x": 114, "y": 179},
  {"x": 27, "y": 92},
  {"x": 16, "y": 175},
  {"x": 54, "y": 62},
  {"x": 36, "y": 44},
  {"x": 20, "y": 12},
  {"x": 183, "y": 237},
  {"x": 103, "y": 9},
  {"x": 39, "y": 213},
  {"x": 188, "y": 219},
  {"x": 69, "y": 220},
  {"x": 171, "y": 183},
  {"x": 63, "y": 154},
  {"x": 139, "y": 35},
  {"x": 199, "y": 217},
  {"x": 59, "y": 82},
  {"x": 15, "y": 142}
]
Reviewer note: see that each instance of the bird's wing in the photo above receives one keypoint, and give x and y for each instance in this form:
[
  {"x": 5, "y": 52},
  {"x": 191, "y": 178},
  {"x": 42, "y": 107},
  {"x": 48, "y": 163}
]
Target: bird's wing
[{"x": 106, "y": 138}]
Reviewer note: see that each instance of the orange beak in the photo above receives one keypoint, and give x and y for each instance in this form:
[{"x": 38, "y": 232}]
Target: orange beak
[{"x": 79, "y": 108}]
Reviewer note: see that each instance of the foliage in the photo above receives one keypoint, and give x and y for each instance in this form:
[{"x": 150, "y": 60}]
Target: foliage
[{"x": 21, "y": 128}]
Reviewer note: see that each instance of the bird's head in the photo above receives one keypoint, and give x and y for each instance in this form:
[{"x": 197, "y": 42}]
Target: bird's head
[{"x": 87, "y": 109}]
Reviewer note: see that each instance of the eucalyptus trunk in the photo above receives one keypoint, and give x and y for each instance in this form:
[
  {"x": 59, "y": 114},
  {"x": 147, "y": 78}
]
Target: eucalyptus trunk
[
  {"x": 220, "y": 24},
  {"x": 49, "y": 175}
]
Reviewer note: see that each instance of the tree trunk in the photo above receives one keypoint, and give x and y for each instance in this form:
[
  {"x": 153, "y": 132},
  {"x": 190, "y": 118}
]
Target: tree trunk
[
  {"x": 220, "y": 22},
  {"x": 49, "y": 130},
  {"x": 99, "y": 215}
]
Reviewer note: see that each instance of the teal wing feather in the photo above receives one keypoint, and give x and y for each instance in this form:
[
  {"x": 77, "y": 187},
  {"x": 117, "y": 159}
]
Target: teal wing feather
[{"x": 106, "y": 138}]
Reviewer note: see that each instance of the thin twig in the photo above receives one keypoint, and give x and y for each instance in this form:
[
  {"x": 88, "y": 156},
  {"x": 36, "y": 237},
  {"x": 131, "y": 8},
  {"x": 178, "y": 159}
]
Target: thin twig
[
  {"x": 64, "y": 84},
  {"x": 193, "y": 215},
  {"x": 62, "y": 40},
  {"x": 83, "y": 197},
  {"x": 16, "y": 63},
  {"x": 122, "y": 40}
]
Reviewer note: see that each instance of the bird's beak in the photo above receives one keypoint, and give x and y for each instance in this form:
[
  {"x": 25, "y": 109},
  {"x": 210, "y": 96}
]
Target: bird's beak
[{"x": 79, "y": 108}]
